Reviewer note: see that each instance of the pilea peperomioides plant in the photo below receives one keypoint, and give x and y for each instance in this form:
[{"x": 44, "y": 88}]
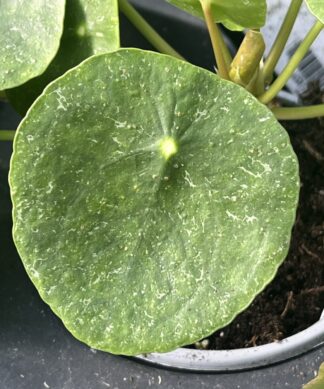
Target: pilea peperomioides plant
[{"x": 152, "y": 199}]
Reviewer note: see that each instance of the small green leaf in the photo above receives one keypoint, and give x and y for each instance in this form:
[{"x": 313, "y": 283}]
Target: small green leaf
[
  {"x": 30, "y": 32},
  {"x": 152, "y": 200},
  {"x": 234, "y": 14},
  {"x": 317, "y": 8},
  {"x": 318, "y": 382},
  {"x": 90, "y": 27}
]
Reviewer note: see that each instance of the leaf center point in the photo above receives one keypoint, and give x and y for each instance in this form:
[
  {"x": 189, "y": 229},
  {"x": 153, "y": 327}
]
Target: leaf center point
[{"x": 168, "y": 147}]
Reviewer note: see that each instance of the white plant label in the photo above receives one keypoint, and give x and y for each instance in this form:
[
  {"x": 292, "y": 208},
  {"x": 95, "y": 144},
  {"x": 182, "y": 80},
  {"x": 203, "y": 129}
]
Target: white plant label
[{"x": 312, "y": 66}]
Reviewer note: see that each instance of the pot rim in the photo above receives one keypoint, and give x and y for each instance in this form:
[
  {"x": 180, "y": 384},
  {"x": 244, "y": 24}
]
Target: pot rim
[{"x": 240, "y": 359}]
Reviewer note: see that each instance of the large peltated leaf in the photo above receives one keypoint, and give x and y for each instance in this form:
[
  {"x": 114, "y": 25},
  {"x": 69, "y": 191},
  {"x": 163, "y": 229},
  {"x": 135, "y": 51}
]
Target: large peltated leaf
[
  {"x": 90, "y": 27},
  {"x": 234, "y": 14},
  {"x": 152, "y": 200},
  {"x": 317, "y": 8},
  {"x": 30, "y": 32}
]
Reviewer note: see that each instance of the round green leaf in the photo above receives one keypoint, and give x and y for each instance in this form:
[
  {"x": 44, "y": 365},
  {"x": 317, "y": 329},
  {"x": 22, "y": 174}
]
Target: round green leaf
[
  {"x": 152, "y": 200},
  {"x": 317, "y": 8},
  {"x": 90, "y": 27},
  {"x": 30, "y": 32},
  {"x": 234, "y": 14}
]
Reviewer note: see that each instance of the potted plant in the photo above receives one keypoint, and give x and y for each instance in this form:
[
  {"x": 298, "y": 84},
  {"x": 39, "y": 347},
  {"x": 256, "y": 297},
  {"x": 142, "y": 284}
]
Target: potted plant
[{"x": 169, "y": 150}]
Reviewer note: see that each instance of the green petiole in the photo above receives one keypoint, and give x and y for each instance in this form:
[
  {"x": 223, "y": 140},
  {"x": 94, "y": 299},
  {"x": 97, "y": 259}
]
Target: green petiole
[
  {"x": 281, "y": 39},
  {"x": 146, "y": 30},
  {"x": 256, "y": 85},
  {"x": 226, "y": 54},
  {"x": 299, "y": 113},
  {"x": 221, "y": 55},
  {"x": 282, "y": 79},
  {"x": 7, "y": 135}
]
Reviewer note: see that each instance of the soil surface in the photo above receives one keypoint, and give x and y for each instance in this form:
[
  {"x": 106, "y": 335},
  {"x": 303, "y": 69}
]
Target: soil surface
[{"x": 295, "y": 298}]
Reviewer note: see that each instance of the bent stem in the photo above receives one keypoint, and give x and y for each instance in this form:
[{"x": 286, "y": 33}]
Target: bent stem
[
  {"x": 298, "y": 113},
  {"x": 216, "y": 40},
  {"x": 7, "y": 135},
  {"x": 146, "y": 30},
  {"x": 281, "y": 39},
  {"x": 281, "y": 81},
  {"x": 245, "y": 66}
]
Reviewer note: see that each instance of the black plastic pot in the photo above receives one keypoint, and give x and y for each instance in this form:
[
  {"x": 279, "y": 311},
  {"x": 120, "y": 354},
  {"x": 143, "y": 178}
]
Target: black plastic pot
[{"x": 36, "y": 351}]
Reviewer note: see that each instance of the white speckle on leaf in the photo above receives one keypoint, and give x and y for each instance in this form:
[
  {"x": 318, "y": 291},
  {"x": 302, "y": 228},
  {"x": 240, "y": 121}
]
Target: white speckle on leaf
[
  {"x": 50, "y": 187},
  {"x": 189, "y": 180},
  {"x": 261, "y": 120},
  {"x": 250, "y": 219},
  {"x": 232, "y": 216},
  {"x": 257, "y": 175}
]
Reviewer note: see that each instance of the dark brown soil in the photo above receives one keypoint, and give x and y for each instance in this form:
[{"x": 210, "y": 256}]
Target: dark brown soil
[{"x": 295, "y": 298}]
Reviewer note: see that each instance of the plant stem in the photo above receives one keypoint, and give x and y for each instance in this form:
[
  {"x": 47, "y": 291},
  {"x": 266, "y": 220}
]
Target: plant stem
[
  {"x": 216, "y": 39},
  {"x": 7, "y": 135},
  {"x": 226, "y": 53},
  {"x": 281, "y": 39},
  {"x": 146, "y": 30},
  {"x": 280, "y": 82},
  {"x": 246, "y": 62},
  {"x": 260, "y": 82},
  {"x": 299, "y": 113}
]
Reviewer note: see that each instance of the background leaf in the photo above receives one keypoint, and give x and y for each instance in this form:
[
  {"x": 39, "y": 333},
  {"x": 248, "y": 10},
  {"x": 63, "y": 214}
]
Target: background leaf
[
  {"x": 234, "y": 14},
  {"x": 135, "y": 251},
  {"x": 90, "y": 27},
  {"x": 317, "y": 8},
  {"x": 30, "y": 32}
]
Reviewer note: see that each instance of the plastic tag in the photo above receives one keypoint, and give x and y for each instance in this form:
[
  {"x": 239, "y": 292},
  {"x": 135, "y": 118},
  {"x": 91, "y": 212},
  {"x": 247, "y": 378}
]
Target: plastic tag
[{"x": 311, "y": 68}]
